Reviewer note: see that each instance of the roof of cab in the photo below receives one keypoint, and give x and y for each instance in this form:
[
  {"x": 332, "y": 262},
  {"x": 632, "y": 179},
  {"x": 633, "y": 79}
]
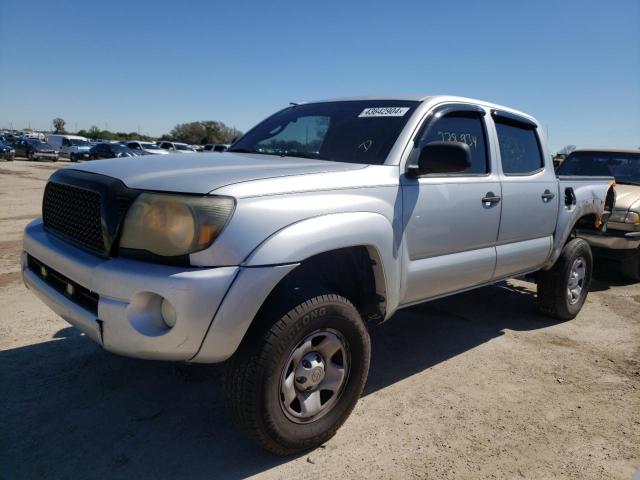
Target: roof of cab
[{"x": 428, "y": 98}]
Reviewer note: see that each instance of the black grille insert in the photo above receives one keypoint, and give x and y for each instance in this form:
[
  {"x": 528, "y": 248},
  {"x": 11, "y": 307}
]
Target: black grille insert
[
  {"x": 75, "y": 213},
  {"x": 76, "y": 293}
]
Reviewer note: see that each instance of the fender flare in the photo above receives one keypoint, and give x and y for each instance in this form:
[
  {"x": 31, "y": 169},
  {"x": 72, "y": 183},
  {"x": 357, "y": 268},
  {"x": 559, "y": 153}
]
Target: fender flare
[{"x": 306, "y": 238}]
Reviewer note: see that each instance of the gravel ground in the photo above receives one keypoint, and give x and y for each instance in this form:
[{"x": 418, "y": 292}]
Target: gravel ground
[{"x": 478, "y": 385}]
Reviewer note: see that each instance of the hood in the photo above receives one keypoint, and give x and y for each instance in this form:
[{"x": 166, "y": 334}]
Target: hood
[
  {"x": 205, "y": 172},
  {"x": 627, "y": 197},
  {"x": 81, "y": 148}
]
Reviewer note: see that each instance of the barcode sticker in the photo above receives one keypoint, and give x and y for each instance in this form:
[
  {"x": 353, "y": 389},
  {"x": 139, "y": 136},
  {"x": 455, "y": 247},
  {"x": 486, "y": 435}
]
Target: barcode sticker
[{"x": 383, "y": 112}]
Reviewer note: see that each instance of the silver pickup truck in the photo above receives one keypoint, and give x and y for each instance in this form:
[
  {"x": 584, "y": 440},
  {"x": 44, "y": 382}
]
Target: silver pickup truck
[{"x": 326, "y": 217}]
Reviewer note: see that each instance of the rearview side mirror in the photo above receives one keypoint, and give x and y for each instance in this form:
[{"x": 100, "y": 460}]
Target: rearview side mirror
[{"x": 442, "y": 158}]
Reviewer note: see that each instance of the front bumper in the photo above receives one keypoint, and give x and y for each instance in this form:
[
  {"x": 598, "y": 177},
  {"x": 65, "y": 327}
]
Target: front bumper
[
  {"x": 128, "y": 319},
  {"x": 214, "y": 306},
  {"x": 612, "y": 239},
  {"x": 50, "y": 155}
]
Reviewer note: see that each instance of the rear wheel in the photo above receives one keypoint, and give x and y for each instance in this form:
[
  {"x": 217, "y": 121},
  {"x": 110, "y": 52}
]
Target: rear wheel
[
  {"x": 72, "y": 158},
  {"x": 563, "y": 289},
  {"x": 293, "y": 386}
]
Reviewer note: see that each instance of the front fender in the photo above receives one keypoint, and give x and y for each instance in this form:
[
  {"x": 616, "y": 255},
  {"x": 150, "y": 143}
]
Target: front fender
[{"x": 316, "y": 235}]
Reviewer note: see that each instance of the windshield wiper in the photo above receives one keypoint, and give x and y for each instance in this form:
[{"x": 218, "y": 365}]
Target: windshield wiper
[
  {"x": 241, "y": 150},
  {"x": 301, "y": 155}
]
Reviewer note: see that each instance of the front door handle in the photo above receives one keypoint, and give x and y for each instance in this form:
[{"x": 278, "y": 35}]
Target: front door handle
[
  {"x": 547, "y": 196},
  {"x": 490, "y": 199}
]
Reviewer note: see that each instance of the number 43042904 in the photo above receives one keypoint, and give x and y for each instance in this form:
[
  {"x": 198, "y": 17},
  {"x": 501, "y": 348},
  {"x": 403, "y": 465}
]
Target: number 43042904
[{"x": 467, "y": 138}]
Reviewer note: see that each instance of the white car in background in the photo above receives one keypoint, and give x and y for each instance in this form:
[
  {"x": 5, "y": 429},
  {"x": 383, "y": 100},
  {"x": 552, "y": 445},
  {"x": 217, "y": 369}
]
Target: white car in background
[
  {"x": 73, "y": 147},
  {"x": 147, "y": 147},
  {"x": 175, "y": 147}
]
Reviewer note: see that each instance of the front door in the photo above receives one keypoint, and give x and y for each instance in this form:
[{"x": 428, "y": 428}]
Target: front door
[{"x": 451, "y": 221}]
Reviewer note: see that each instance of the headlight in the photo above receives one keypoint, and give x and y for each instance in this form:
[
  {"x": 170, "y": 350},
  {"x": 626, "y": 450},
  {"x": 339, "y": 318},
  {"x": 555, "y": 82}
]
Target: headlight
[
  {"x": 174, "y": 225},
  {"x": 618, "y": 215},
  {"x": 632, "y": 217}
]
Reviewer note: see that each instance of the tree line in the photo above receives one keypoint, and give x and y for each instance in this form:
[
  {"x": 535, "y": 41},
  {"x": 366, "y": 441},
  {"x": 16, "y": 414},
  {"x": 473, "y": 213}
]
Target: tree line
[{"x": 193, "y": 133}]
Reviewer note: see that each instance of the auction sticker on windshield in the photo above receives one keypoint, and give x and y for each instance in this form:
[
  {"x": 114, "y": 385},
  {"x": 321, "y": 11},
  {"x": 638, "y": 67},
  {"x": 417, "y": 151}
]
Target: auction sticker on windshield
[{"x": 384, "y": 112}]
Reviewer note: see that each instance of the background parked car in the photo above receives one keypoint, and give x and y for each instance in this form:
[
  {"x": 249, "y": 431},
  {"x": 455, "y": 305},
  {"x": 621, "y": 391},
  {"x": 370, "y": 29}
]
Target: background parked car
[
  {"x": 110, "y": 150},
  {"x": 33, "y": 149},
  {"x": 148, "y": 147},
  {"x": 175, "y": 147},
  {"x": 215, "y": 147},
  {"x": 621, "y": 241},
  {"x": 72, "y": 147},
  {"x": 7, "y": 152}
]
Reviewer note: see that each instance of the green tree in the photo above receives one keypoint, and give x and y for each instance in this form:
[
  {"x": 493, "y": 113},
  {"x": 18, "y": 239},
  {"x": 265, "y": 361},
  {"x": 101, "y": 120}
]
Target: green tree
[
  {"x": 202, "y": 132},
  {"x": 58, "y": 125},
  {"x": 94, "y": 132}
]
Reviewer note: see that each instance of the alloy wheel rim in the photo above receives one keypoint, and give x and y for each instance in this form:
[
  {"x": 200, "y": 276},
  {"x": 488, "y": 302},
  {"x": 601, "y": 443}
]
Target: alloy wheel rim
[
  {"x": 314, "y": 376},
  {"x": 576, "y": 283}
]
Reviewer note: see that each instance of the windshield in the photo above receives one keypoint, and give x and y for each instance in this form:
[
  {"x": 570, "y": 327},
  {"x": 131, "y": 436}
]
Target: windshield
[
  {"x": 150, "y": 146},
  {"x": 347, "y": 131},
  {"x": 78, "y": 142},
  {"x": 625, "y": 167},
  {"x": 183, "y": 147},
  {"x": 119, "y": 148},
  {"x": 38, "y": 143}
]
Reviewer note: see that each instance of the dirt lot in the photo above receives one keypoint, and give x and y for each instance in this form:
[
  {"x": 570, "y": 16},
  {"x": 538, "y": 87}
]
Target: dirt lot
[{"x": 478, "y": 385}]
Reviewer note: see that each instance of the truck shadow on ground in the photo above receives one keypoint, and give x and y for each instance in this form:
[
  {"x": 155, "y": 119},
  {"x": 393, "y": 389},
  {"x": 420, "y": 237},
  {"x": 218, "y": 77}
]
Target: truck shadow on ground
[
  {"x": 606, "y": 274},
  {"x": 71, "y": 410}
]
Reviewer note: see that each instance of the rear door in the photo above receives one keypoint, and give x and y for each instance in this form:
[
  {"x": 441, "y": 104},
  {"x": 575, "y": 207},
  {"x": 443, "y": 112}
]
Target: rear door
[
  {"x": 451, "y": 221},
  {"x": 529, "y": 195}
]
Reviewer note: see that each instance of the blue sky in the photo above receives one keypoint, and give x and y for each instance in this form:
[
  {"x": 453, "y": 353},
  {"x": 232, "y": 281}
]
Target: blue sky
[{"x": 575, "y": 65}]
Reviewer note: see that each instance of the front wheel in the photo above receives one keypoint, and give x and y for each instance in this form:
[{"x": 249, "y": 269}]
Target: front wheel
[
  {"x": 293, "y": 386},
  {"x": 563, "y": 289},
  {"x": 72, "y": 158}
]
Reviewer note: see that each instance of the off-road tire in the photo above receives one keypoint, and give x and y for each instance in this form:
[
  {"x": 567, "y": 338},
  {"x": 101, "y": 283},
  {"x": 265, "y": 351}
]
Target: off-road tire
[
  {"x": 553, "y": 284},
  {"x": 252, "y": 377},
  {"x": 630, "y": 267}
]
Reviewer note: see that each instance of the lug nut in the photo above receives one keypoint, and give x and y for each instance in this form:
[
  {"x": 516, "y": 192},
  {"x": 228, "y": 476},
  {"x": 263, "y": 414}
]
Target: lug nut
[{"x": 301, "y": 379}]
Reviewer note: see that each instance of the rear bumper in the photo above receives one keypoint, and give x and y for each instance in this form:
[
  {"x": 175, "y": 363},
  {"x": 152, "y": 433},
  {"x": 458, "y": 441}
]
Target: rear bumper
[{"x": 128, "y": 319}]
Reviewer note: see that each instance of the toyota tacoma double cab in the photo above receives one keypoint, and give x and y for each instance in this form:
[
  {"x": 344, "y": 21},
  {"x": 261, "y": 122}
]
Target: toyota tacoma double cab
[{"x": 277, "y": 255}]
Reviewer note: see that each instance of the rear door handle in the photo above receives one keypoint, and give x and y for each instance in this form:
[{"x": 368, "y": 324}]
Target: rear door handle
[
  {"x": 490, "y": 198},
  {"x": 547, "y": 196}
]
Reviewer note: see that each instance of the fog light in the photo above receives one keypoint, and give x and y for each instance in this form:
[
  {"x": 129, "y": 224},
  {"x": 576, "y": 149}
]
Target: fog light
[
  {"x": 43, "y": 272},
  {"x": 168, "y": 313},
  {"x": 70, "y": 289}
]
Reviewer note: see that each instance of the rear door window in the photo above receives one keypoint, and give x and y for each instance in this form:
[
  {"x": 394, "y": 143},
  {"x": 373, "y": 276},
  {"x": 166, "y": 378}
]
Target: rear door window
[{"x": 519, "y": 149}]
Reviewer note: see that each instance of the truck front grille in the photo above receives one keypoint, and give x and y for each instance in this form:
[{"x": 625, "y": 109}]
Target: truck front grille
[{"x": 75, "y": 213}]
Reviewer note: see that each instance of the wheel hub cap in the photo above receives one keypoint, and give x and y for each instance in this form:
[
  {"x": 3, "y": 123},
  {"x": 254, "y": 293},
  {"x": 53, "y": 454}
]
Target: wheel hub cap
[
  {"x": 314, "y": 376},
  {"x": 309, "y": 372},
  {"x": 577, "y": 276}
]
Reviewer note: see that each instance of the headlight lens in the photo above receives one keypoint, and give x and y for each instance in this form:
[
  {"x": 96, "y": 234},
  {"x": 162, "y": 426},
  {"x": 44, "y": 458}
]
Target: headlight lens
[
  {"x": 632, "y": 217},
  {"x": 174, "y": 225}
]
